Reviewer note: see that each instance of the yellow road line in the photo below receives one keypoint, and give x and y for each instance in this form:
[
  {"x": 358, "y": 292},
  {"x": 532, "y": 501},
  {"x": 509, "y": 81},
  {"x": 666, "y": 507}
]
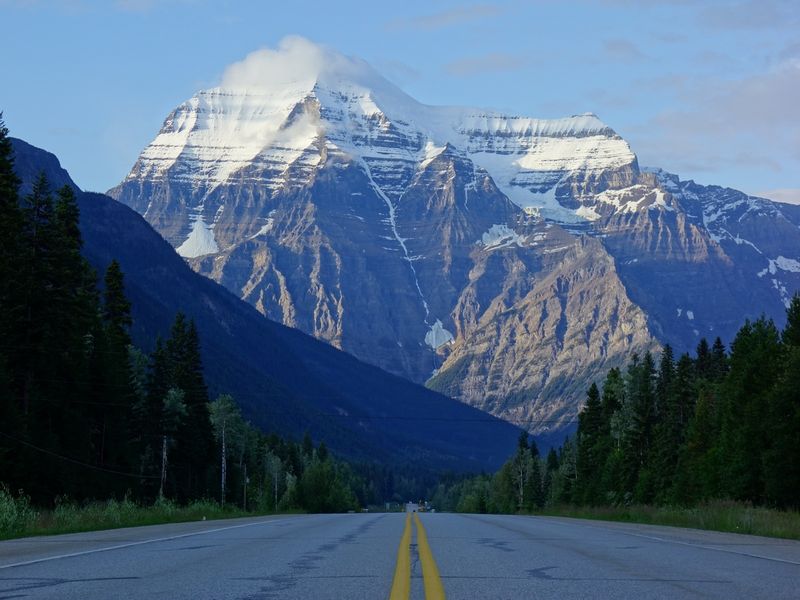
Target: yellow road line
[
  {"x": 434, "y": 590},
  {"x": 401, "y": 585}
]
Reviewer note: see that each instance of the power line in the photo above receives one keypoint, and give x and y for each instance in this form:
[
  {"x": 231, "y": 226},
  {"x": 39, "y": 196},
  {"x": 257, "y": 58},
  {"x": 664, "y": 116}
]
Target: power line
[{"x": 77, "y": 462}]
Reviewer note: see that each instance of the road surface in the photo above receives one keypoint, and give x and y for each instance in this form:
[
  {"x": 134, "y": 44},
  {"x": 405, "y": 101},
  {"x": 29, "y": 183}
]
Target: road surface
[{"x": 315, "y": 557}]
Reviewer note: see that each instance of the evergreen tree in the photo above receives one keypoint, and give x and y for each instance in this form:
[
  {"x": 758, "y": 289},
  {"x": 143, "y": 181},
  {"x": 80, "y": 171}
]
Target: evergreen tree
[
  {"x": 754, "y": 368},
  {"x": 11, "y": 250},
  {"x": 637, "y": 436},
  {"x": 613, "y": 393},
  {"x": 10, "y": 241},
  {"x": 719, "y": 360},
  {"x": 664, "y": 382},
  {"x": 11, "y": 304},
  {"x": 534, "y": 496},
  {"x": 194, "y": 439},
  {"x": 322, "y": 451},
  {"x": 781, "y": 459},
  {"x": 698, "y": 470},
  {"x": 590, "y": 430},
  {"x": 147, "y": 416},
  {"x": 9, "y": 182},
  {"x": 308, "y": 446},
  {"x": 703, "y": 362},
  {"x": 791, "y": 332},
  {"x": 37, "y": 278},
  {"x": 116, "y": 306},
  {"x": 675, "y": 389}
]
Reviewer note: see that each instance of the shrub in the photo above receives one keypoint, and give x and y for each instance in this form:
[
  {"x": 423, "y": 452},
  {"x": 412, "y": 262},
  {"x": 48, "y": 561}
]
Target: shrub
[{"x": 16, "y": 514}]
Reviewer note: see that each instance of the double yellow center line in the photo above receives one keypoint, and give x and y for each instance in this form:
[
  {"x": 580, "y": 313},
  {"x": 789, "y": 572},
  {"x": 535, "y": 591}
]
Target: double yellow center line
[{"x": 432, "y": 582}]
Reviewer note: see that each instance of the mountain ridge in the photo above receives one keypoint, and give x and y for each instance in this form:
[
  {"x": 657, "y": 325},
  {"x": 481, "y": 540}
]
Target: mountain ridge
[{"x": 404, "y": 233}]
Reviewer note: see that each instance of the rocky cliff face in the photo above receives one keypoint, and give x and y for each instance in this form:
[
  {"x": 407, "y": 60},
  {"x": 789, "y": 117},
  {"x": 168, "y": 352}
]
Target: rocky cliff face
[{"x": 511, "y": 259}]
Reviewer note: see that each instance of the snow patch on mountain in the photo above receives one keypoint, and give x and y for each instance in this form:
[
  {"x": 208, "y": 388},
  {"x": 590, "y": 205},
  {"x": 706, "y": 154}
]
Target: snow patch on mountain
[
  {"x": 438, "y": 336},
  {"x": 587, "y": 212},
  {"x": 500, "y": 236},
  {"x": 781, "y": 263},
  {"x": 269, "y": 223},
  {"x": 200, "y": 241}
]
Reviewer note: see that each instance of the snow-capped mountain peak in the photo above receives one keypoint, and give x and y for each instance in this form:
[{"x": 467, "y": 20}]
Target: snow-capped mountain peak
[
  {"x": 275, "y": 107},
  {"x": 335, "y": 203}
]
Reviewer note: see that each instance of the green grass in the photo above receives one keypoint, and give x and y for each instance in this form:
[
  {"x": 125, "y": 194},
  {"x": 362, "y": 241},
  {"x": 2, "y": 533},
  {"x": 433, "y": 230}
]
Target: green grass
[
  {"x": 19, "y": 519},
  {"x": 735, "y": 517}
]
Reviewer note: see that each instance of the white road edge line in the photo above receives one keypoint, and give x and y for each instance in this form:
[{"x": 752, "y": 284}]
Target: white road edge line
[
  {"x": 713, "y": 547},
  {"x": 128, "y": 545},
  {"x": 681, "y": 542}
]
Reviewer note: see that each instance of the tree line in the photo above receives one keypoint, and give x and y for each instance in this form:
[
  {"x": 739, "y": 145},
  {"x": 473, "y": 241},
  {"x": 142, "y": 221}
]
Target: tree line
[
  {"x": 717, "y": 425},
  {"x": 87, "y": 415}
]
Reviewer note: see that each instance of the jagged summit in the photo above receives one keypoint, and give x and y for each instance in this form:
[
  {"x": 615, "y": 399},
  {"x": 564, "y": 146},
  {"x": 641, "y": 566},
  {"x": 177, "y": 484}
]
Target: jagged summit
[{"x": 278, "y": 108}]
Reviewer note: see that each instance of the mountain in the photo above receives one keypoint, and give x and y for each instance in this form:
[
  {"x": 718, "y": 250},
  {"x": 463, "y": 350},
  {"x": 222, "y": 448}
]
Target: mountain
[
  {"x": 504, "y": 260},
  {"x": 285, "y": 380}
]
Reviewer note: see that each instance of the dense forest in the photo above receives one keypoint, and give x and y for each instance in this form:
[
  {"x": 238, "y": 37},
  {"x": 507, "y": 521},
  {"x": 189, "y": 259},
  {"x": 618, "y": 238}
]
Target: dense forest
[
  {"x": 86, "y": 415},
  {"x": 719, "y": 425}
]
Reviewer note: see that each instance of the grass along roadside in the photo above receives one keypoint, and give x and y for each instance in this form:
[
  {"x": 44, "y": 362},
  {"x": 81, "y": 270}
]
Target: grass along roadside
[
  {"x": 19, "y": 519},
  {"x": 734, "y": 517}
]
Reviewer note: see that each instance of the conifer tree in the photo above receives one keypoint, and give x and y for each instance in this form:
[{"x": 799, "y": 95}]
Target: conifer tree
[
  {"x": 590, "y": 428},
  {"x": 791, "y": 332},
  {"x": 640, "y": 398},
  {"x": 10, "y": 243},
  {"x": 719, "y": 360},
  {"x": 116, "y": 306},
  {"x": 781, "y": 459},
  {"x": 703, "y": 362},
  {"x": 37, "y": 273},
  {"x": 11, "y": 304},
  {"x": 754, "y": 367},
  {"x": 669, "y": 430},
  {"x": 664, "y": 381},
  {"x": 194, "y": 439}
]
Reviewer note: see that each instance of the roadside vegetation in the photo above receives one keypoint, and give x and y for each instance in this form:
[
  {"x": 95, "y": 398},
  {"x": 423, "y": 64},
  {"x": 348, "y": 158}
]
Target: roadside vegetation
[
  {"x": 18, "y": 518},
  {"x": 708, "y": 441},
  {"x": 716, "y": 515}
]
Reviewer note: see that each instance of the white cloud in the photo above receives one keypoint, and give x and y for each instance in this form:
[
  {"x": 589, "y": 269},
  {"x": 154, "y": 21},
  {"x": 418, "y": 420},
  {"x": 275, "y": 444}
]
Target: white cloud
[
  {"x": 750, "y": 121},
  {"x": 296, "y": 59}
]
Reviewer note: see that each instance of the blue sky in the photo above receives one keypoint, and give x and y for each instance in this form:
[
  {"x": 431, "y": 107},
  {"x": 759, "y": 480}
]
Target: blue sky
[{"x": 708, "y": 89}]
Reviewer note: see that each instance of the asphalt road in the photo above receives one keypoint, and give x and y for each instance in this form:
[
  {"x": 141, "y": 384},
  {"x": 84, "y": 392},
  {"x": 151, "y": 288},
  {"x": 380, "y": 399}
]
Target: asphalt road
[{"x": 360, "y": 556}]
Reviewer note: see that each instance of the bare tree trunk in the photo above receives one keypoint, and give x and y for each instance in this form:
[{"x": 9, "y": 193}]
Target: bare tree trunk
[
  {"x": 163, "y": 465},
  {"x": 222, "y": 482}
]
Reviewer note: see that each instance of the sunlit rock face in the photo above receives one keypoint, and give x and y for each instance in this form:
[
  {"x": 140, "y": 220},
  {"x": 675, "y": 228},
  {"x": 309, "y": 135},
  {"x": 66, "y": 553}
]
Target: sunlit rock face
[{"x": 507, "y": 260}]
